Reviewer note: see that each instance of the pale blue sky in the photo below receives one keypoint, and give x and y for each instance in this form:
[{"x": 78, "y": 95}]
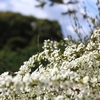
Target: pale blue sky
[{"x": 27, "y": 7}]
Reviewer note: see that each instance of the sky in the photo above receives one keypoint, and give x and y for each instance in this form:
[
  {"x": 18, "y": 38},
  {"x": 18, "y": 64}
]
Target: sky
[{"x": 27, "y": 7}]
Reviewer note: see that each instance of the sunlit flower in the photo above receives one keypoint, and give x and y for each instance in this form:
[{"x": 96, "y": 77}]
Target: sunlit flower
[{"x": 69, "y": 74}]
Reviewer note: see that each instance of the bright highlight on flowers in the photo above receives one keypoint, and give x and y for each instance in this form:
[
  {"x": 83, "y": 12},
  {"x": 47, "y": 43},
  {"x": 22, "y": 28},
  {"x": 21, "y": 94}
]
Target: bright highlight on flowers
[{"x": 65, "y": 71}]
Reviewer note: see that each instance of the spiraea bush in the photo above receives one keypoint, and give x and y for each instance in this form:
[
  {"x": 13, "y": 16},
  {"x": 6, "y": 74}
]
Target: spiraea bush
[{"x": 66, "y": 71}]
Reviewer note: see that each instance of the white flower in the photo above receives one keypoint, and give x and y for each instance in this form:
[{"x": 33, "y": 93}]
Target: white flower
[
  {"x": 94, "y": 80},
  {"x": 86, "y": 79},
  {"x": 35, "y": 75},
  {"x": 66, "y": 77},
  {"x": 80, "y": 46},
  {"x": 59, "y": 97},
  {"x": 27, "y": 79}
]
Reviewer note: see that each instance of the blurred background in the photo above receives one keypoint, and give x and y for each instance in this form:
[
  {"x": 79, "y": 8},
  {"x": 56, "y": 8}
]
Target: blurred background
[{"x": 25, "y": 24}]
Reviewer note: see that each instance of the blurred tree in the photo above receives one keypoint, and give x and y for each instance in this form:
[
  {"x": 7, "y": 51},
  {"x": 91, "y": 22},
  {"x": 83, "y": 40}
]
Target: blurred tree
[
  {"x": 46, "y": 30},
  {"x": 17, "y": 29},
  {"x": 42, "y": 3},
  {"x": 14, "y": 25}
]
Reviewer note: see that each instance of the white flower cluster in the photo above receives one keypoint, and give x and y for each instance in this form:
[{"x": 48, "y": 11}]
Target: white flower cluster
[{"x": 65, "y": 71}]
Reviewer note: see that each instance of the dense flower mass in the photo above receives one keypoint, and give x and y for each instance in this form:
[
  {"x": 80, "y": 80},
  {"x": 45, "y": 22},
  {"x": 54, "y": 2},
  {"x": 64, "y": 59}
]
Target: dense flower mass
[{"x": 63, "y": 71}]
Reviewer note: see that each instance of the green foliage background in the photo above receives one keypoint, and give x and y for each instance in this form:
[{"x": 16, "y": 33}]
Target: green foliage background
[{"x": 21, "y": 37}]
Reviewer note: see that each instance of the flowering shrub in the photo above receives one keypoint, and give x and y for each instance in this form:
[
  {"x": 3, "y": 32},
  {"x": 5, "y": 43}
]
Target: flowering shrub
[{"x": 66, "y": 71}]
